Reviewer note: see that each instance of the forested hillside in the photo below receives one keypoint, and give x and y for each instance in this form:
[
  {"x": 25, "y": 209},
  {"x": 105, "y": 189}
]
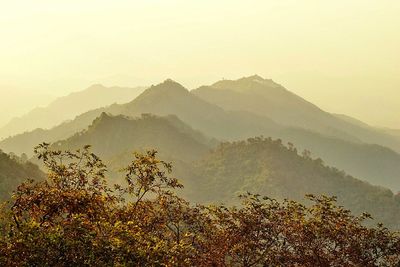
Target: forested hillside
[
  {"x": 268, "y": 167},
  {"x": 113, "y": 136},
  {"x": 13, "y": 171}
]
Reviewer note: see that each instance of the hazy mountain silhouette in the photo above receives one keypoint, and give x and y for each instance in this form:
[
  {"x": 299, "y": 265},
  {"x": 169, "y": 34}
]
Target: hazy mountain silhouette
[
  {"x": 170, "y": 97},
  {"x": 166, "y": 98},
  {"x": 269, "y": 168},
  {"x": 394, "y": 132},
  {"x": 374, "y": 163},
  {"x": 265, "y": 97},
  {"x": 67, "y": 107},
  {"x": 25, "y": 142}
]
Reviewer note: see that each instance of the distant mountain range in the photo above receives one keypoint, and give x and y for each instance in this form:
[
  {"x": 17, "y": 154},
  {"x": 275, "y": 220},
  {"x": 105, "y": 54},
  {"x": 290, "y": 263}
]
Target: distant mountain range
[
  {"x": 67, "y": 107},
  {"x": 267, "y": 98},
  {"x": 248, "y": 107}
]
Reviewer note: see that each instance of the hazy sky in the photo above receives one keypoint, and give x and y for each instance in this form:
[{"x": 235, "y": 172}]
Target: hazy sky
[{"x": 342, "y": 55}]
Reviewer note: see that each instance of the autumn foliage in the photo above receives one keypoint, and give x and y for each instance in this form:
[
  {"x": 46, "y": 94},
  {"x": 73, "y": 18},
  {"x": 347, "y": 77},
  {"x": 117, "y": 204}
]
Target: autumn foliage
[{"x": 74, "y": 218}]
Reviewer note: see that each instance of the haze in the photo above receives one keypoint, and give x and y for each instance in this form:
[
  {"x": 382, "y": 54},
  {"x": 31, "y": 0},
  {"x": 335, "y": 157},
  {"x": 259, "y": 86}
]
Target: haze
[{"x": 341, "y": 55}]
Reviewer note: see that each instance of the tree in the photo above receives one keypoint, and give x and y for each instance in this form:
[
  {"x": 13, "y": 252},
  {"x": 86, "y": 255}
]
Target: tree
[{"x": 74, "y": 218}]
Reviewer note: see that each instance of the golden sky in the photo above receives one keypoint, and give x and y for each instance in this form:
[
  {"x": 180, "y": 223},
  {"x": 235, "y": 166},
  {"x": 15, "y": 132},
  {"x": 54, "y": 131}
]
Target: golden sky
[{"x": 343, "y": 55}]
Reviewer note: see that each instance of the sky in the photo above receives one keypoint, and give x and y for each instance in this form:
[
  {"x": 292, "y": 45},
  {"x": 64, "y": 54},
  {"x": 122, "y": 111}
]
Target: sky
[{"x": 342, "y": 55}]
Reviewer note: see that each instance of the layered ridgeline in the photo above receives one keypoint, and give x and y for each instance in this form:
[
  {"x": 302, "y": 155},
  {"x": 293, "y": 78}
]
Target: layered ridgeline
[
  {"x": 258, "y": 165},
  {"x": 164, "y": 99},
  {"x": 394, "y": 132},
  {"x": 115, "y": 138},
  {"x": 13, "y": 171},
  {"x": 268, "y": 167},
  {"x": 265, "y": 97},
  {"x": 67, "y": 107},
  {"x": 374, "y": 163}
]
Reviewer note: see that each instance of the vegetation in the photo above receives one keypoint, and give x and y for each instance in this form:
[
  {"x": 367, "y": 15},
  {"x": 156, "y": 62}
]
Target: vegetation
[
  {"x": 262, "y": 166},
  {"x": 111, "y": 136},
  {"x": 13, "y": 171},
  {"x": 74, "y": 218},
  {"x": 268, "y": 167}
]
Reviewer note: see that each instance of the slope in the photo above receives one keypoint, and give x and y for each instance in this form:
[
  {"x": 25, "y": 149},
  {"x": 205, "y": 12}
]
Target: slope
[
  {"x": 265, "y": 97},
  {"x": 111, "y": 137},
  {"x": 269, "y": 168},
  {"x": 375, "y": 164},
  {"x": 67, "y": 107},
  {"x": 14, "y": 171},
  {"x": 170, "y": 97}
]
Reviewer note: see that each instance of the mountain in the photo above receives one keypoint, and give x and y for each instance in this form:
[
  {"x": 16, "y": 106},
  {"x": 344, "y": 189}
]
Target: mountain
[
  {"x": 170, "y": 97},
  {"x": 374, "y": 163},
  {"x": 268, "y": 167},
  {"x": 258, "y": 165},
  {"x": 16, "y": 102},
  {"x": 352, "y": 120},
  {"x": 394, "y": 132},
  {"x": 164, "y": 99},
  {"x": 67, "y": 107},
  {"x": 25, "y": 142},
  {"x": 267, "y": 98},
  {"x": 13, "y": 171},
  {"x": 114, "y": 138}
]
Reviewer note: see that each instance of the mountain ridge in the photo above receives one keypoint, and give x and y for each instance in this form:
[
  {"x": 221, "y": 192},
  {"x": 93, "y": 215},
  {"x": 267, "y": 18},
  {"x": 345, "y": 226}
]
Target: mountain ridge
[
  {"x": 288, "y": 109},
  {"x": 376, "y": 165},
  {"x": 67, "y": 107}
]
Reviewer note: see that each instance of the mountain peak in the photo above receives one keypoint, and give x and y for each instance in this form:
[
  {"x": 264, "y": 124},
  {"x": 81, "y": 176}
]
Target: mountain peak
[
  {"x": 246, "y": 83},
  {"x": 96, "y": 86},
  {"x": 168, "y": 86},
  {"x": 171, "y": 84},
  {"x": 254, "y": 77},
  {"x": 102, "y": 118}
]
